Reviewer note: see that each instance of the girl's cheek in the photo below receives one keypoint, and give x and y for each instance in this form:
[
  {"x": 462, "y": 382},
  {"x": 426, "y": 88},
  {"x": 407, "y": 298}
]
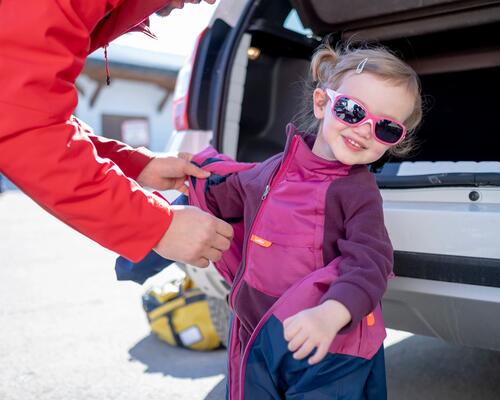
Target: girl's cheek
[{"x": 379, "y": 150}]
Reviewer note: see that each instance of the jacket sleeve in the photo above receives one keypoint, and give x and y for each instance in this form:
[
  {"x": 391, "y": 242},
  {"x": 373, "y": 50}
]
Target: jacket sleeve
[
  {"x": 225, "y": 199},
  {"x": 130, "y": 160},
  {"x": 366, "y": 254},
  {"x": 47, "y": 154}
]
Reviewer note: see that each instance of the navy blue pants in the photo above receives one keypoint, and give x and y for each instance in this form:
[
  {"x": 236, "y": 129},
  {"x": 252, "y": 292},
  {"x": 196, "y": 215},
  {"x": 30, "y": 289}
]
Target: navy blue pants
[{"x": 272, "y": 372}]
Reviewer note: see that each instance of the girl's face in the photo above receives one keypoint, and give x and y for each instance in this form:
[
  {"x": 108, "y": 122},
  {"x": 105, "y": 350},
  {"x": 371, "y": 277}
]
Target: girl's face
[{"x": 356, "y": 145}]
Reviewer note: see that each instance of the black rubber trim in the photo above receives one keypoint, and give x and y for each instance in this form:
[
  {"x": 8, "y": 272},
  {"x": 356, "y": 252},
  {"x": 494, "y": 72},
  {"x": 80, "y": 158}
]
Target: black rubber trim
[
  {"x": 220, "y": 86},
  {"x": 201, "y": 77},
  {"x": 446, "y": 268},
  {"x": 438, "y": 180}
]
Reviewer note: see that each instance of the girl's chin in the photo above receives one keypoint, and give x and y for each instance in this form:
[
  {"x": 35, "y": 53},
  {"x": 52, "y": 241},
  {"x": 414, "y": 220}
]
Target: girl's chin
[{"x": 347, "y": 159}]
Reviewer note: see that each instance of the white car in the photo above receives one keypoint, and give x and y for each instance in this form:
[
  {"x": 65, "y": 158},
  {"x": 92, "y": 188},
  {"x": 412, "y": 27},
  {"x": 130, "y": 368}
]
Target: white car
[{"x": 442, "y": 207}]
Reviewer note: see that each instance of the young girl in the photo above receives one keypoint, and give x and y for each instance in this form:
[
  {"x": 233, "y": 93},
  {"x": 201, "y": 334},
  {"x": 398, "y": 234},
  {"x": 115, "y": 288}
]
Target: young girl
[
  {"x": 315, "y": 253},
  {"x": 311, "y": 256}
]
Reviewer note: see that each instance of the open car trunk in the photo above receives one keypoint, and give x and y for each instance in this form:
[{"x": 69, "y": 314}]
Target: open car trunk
[
  {"x": 442, "y": 204},
  {"x": 459, "y": 70}
]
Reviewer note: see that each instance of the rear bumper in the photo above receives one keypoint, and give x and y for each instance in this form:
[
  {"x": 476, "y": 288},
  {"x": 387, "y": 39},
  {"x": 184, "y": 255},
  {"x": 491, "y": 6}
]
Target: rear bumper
[
  {"x": 448, "y": 268},
  {"x": 456, "y": 312}
]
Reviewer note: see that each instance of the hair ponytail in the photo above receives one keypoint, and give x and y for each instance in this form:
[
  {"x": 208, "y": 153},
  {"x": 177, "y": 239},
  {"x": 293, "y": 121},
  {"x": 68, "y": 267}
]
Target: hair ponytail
[{"x": 322, "y": 64}]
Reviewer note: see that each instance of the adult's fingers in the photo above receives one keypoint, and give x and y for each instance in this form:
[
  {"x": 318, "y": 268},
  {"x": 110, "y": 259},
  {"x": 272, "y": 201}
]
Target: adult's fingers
[
  {"x": 201, "y": 262},
  {"x": 221, "y": 243},
  {"x": 184, "y": 189},
  {"x": 192, "y": 236},
  {"x": 185, "y": 155},
  {"x": 213, "y": 254},
  {"x": 224, "y": 229},
  {"x": 193, "y": 170}
]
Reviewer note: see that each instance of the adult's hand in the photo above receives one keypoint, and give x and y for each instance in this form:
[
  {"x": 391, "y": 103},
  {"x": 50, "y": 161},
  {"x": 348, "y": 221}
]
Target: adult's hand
[
  {"x": 194, "y": 237},
  {"x": 170, "y": 172},
  {"x": 165, "y": 11}
]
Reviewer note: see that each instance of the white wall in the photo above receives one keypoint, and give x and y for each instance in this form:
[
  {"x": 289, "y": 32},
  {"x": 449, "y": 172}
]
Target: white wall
[{"x": 129, "y": 98}]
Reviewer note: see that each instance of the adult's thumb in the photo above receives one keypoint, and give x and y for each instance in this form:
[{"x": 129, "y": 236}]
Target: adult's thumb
[{"x": 193, "y": 170}]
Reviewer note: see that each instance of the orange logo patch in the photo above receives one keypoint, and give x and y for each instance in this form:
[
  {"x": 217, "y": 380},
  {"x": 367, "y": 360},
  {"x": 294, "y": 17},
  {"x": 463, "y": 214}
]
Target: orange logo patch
[{"x": 260, "y": 241}]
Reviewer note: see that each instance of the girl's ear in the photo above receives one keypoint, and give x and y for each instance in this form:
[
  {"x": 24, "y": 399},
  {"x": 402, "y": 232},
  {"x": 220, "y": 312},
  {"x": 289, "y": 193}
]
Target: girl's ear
[{"x": 320, "y": 99}]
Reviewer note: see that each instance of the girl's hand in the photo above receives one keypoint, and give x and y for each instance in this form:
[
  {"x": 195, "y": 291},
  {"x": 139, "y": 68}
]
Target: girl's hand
[
  {"x": 315, "y": 328},
  {"x": 170, "y": 172}
]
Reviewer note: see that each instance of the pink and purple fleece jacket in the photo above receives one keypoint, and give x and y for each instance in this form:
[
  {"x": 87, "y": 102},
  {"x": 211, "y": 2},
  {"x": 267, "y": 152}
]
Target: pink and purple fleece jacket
[{"x": 306, "y": 230}]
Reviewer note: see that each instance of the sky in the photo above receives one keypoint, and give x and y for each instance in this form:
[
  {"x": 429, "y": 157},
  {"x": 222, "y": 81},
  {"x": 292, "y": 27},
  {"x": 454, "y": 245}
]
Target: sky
[{"x": 176, "y": 33}]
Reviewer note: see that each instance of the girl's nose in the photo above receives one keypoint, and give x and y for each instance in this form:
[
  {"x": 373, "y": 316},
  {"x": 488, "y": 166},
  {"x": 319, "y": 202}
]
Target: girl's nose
[{"x": 364, "y": 130}]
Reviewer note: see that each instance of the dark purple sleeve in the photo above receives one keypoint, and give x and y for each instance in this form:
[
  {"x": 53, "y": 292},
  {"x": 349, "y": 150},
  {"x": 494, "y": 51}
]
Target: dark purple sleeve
[
  {"x": 225, "y": 199},
  {"x": 364, "y": 247}
]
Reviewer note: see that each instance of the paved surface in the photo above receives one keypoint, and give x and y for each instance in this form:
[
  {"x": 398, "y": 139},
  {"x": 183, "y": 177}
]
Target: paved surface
[{"x": 69, "y": 331}]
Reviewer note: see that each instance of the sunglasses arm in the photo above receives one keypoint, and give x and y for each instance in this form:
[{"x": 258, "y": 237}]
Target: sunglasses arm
[{"x": 332, "y": 94}]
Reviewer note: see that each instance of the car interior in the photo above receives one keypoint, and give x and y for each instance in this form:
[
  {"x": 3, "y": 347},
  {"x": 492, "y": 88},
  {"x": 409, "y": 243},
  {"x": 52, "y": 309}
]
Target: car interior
[{"x": 453, "y": 45}]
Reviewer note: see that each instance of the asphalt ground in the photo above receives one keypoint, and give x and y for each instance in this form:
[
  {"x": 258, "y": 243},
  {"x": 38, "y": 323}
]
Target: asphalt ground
[{"x": 69, "y": 330}]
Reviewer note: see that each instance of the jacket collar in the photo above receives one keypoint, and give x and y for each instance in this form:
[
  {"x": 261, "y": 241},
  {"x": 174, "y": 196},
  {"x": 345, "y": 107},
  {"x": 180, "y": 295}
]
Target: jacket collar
[{"x": 304, "y": 159}]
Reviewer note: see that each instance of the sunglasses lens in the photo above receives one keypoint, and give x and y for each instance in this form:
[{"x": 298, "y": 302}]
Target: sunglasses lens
[
  {"x": 348, "y": 110},
  {"x": 388, "y": 131}
]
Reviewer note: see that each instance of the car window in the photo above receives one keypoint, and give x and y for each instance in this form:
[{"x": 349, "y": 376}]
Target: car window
[{"x": 293, "y": 23}]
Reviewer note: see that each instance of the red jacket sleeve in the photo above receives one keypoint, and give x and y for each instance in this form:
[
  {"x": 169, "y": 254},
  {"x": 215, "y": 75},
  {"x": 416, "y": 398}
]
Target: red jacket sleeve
[
  {"x": 130, "y": 160},
  {"x": 47, "y": 155}
]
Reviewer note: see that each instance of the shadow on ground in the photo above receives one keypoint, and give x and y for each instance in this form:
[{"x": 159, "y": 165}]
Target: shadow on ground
[
  {"x": 427, "y": 368},
  {"x": 417, "y": 368},
  {"x": 218, "y": 392},
  {"x": 159, "y": 357}
]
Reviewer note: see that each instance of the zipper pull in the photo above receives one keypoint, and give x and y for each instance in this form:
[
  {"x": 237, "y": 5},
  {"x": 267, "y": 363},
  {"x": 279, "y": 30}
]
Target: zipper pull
[
  {"x": 108, "y": 76},
  {"x": 264, "y": 195}
]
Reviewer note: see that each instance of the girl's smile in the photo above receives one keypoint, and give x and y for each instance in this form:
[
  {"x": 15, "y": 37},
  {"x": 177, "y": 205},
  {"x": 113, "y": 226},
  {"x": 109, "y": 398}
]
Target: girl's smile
[{"x": 353, "y": 144}]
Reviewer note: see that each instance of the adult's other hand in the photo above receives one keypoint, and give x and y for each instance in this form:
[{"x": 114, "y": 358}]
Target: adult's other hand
[
  {"x": 194, "y": 237},
  {"x": 170, "y": 172},
  {"x": 165, "y": 11}
]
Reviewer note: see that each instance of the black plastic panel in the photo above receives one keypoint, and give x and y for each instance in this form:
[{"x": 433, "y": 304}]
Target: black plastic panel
[{"x": 446, "y": 268}]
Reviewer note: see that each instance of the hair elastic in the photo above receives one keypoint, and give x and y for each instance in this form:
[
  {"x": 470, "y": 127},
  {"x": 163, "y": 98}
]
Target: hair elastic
[{"x": 361, "y": 65}]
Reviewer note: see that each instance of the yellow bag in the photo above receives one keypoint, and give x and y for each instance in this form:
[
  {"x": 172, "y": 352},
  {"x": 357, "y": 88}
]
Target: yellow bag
[{"x": 178, "y": 314}]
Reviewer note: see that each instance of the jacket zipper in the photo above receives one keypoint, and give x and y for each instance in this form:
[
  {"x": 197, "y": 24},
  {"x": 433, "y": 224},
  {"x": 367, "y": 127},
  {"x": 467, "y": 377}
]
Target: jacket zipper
[
  {"x": 275, "y": 177},
  {"x": 266, "y": 191}
]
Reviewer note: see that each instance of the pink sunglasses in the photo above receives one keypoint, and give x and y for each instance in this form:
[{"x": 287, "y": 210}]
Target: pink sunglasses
[{"x": 351, "y": 112}]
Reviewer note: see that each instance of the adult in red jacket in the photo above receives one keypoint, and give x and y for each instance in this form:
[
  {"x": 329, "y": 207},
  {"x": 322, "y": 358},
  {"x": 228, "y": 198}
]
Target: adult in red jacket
[{"x": 80, "y": 178}]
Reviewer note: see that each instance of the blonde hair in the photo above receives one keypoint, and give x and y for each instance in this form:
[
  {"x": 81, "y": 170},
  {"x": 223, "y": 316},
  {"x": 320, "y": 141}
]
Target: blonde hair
[{"x": 329, "y": 67}]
